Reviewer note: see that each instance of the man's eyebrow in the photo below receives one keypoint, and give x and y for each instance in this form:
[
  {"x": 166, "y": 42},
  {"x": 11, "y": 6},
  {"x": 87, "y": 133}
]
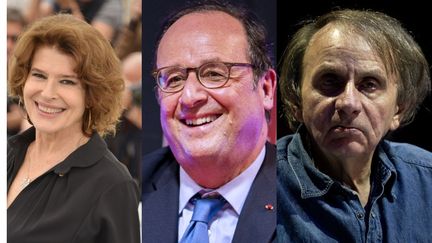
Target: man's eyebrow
[
  {"x": 325, "y": 68},
  {"x": 214, "y": 59},
  {"x": 374, "y": 71},
  {"x": 208, "y": 60}
]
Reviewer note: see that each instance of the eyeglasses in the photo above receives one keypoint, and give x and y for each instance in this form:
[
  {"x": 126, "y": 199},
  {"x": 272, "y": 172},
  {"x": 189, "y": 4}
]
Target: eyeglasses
[{"x": 211, "y": 75}]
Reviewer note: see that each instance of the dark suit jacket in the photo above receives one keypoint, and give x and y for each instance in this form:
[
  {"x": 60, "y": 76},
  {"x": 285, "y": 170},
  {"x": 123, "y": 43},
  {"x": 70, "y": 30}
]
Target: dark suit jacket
[{"x": 160, "y": 198}]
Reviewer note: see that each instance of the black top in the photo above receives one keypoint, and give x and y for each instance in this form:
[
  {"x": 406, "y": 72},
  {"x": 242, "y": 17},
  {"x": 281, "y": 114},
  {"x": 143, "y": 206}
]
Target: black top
[{"x": 88, "y": 197}]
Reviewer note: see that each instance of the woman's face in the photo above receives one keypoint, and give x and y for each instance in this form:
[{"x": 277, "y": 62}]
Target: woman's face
[{"x": 54, "y": 97}]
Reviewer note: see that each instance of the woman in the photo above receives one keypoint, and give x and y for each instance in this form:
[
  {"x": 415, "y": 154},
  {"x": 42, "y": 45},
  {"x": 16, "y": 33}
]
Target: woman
[{"x": 63, "y": 183}]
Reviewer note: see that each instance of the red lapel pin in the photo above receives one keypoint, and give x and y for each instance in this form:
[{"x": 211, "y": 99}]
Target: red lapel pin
[{"x": 269, "y": 207}]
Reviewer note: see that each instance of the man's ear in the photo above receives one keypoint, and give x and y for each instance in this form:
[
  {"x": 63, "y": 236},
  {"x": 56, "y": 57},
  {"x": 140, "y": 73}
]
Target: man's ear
[
  {"x": 396, "y": 119},
  {"x": 268, "y": 86},
  {"x": 298, "y": 114},
  {"x": 158, "y": 94}
]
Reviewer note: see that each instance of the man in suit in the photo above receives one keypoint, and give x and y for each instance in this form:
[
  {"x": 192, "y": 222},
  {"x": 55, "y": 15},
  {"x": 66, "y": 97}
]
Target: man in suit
[{"x": 215, "y": 90}]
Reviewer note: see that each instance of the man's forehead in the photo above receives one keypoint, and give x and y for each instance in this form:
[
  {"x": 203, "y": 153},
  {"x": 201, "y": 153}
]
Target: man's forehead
[
  {"x": 208, "y": 18},
  {"x": 203, "y": 35},
  {"x": 338, "y": 41},
  {"x": 205, "y": 22}
]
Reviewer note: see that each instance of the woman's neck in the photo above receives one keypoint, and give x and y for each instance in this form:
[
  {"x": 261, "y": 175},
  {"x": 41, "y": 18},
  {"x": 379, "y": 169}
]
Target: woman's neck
[{"x": 56, "y": 147}]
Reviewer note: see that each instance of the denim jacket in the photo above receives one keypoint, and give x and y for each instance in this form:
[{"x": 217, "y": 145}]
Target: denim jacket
[{"x": 312, "y": 207}]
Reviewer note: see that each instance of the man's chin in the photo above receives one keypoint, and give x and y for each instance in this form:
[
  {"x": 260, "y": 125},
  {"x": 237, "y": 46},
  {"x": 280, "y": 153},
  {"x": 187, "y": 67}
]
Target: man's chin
[
  {"x": 351, "y": 149},
  {"x": 196, "y": 149}
]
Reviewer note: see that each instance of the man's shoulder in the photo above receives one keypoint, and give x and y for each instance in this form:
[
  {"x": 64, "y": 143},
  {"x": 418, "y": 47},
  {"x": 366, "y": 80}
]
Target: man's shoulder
[
  {"x": 157, "y": 160},
  {"x": 157, "y": 155},
  {"x": 283, "y": 142},
  {"x": 408, "y": 154},
  {"x": 288, "y": 146}
]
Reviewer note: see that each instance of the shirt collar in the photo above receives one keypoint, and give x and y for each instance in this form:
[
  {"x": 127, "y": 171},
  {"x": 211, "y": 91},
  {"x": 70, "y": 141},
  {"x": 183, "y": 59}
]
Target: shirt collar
[
  {"x": 84, "y": 156},
  {"x": 386, "y": 171},
  {"x": 311, "y": 182},
  {"x": 230, "y": 191},
  {"x": 314, "y": 183}
]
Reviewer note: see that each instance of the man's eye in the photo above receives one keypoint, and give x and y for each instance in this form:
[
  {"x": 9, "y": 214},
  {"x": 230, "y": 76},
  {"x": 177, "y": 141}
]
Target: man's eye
[
  {"x": 368, "y": 85},
  {"x": 331, "y": 85},
  {"x": 174, "y": 80},
  {"x": 214, "y": 75},
  {"x": 330, "y": 82}
]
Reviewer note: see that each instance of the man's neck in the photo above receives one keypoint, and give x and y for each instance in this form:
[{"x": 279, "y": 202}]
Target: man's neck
[
  {"x": 354, "y": 173},
  {"x": 212, "y": 176}
]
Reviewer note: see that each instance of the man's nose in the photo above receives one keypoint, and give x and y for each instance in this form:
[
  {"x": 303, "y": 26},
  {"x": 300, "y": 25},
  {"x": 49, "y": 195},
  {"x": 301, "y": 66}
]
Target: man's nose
[
  {"x": 193, "y": 92},
  {"x": 348, "y": 101}
]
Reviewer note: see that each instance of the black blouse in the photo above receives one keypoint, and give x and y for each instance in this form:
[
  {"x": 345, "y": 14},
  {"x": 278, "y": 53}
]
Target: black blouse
[{"x": 88, "y": 197}]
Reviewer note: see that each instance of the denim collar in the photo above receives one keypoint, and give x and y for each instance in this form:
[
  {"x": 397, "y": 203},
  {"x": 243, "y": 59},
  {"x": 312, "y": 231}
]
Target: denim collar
[
  {"x": 386, "y": 171},
  {"x": 314, "y": 183}
]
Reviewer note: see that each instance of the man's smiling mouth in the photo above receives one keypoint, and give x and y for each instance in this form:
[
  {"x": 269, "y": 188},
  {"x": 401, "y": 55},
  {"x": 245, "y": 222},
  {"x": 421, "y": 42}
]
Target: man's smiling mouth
[{"x": 200, "y": 121}]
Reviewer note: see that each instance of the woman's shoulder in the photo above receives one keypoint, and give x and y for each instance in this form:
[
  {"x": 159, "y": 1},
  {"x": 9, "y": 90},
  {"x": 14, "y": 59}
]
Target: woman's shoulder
[
  {"x": 100, "y": 163},
  {"x": 112, "y": 166}
]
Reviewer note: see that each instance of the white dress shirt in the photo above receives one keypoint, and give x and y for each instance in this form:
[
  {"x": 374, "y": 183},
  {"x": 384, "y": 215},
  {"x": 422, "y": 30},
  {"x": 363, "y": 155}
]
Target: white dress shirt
[{"x": 223, "y": 225}]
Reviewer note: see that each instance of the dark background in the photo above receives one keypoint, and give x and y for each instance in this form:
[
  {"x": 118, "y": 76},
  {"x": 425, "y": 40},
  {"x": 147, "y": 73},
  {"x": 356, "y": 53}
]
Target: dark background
[
  {"x": 154, "y": 12},
  {"x": 415, "y": 16}
]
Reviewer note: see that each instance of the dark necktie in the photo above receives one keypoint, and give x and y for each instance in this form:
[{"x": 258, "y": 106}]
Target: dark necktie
[{"x": 205, "y": 209}]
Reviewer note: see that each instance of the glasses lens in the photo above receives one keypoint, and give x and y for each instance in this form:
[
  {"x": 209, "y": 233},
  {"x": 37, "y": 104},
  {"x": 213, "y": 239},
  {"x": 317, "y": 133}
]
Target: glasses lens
[
  {"x": 213, "y": 75},
  {"x": 171, "y": 79}
]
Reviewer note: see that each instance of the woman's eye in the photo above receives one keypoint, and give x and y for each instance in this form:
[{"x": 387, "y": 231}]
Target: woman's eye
[
  {"x": 38, "y": 75},
  {"x": 67, "y": 81}
]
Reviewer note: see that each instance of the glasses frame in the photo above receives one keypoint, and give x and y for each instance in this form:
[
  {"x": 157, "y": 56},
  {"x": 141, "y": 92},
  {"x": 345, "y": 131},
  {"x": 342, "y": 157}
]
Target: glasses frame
[{"x": 156, "y": 73}]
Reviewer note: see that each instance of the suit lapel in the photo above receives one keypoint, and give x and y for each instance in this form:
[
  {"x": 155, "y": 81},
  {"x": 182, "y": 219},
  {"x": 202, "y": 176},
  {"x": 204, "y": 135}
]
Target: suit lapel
[
  {"x": 257, "y": 221},
  {"x": 160, "y": 206}
]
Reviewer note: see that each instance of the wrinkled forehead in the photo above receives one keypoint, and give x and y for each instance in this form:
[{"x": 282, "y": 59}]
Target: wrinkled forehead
[
  {"x": 338, "y": 37},
  {"x": 345, "y": 40}
]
